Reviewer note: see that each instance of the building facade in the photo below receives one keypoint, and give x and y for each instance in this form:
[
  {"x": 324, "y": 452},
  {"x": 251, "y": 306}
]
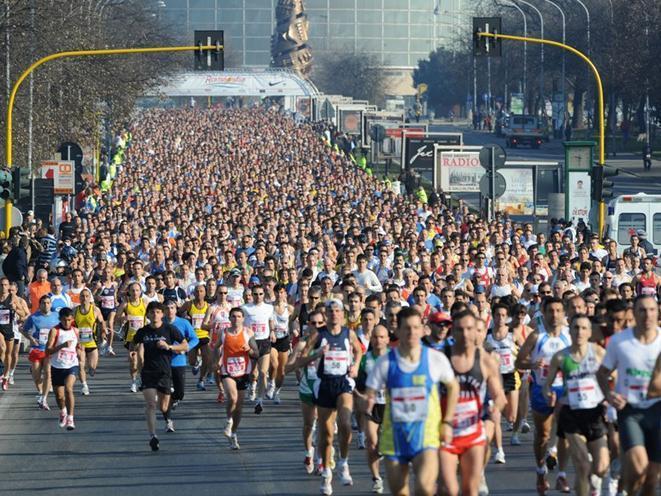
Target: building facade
[{"x": 397, "y": 32}]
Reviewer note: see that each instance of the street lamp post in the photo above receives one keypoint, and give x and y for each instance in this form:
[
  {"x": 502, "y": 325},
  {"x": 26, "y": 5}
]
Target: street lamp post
[
  {"x": 525, "y": 47},
  {"x": 541, "y": 57},
  {"x": 564, "y": 41}
]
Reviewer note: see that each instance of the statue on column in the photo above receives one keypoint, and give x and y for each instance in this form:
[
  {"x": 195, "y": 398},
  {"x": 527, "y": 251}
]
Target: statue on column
[{"x": 289, "y": 43}]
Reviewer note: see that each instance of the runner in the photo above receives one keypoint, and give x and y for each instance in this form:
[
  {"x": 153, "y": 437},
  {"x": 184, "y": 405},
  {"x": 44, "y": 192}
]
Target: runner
[
  {"x": 63, "y": 349},
  {"x": 10, "y": 311},
  {"x": 235, "y": 352},
  {"x": 36, "y": 329},
  {"x": 216, "y": 321},
  {"x": 582, "y": 417},
  {"x": 132, "y": 313},
  {"x": 87, "y": 317},
  {"x": 58, "y": 298},
  {"x": 339, "y": 355},
  {"x": 21, "y": 313},
  {"x": 647, "y": 282},
  {"x": 413, "y": 428},
  {"x": 476, "y": 373},
  {"x": 77, "y": 285},
  {"x": 259, "y": 319},
  {"x": 106, "y": 297},
  {"x": 551, "y": 336},
  {"x": 282, "y": 313},
  {"x": 179, "y": 360},
  {"x": 200, "y": 357},
  {"x": 371, "y": 424},
  {"x": 633, "y": 353},
  {"x": 154, "y": 344}
]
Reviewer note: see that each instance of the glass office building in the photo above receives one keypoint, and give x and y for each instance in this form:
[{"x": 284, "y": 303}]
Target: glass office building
[{"x": 397, "y": 32}]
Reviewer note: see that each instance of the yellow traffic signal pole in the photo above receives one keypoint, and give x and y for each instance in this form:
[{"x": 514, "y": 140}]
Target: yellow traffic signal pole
[
  {"x": 600, "y": 91},
  {"x": 71, "y": 54}
]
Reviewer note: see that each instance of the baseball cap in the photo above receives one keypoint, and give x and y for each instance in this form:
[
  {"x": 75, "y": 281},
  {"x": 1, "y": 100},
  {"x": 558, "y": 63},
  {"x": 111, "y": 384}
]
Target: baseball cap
[
  {"x": 641, "y": 233},
  {"x": 440, "y": 318}
]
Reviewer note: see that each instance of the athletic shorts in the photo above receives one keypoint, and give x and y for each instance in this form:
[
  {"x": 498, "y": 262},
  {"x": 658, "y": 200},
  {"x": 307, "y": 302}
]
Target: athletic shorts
[
  {"x": 461, "y": 444},
  {"x": 105, "y": 312},
  {"x": 589, "y": 423},
  {"x": 7, "y": 333},
  {"x": 538, "y": 401},
  {"x": 377, "y": 413},
  {"x": 511, "y": 382},
  {"x": 242, "y": 382},
  {"x": 264, "y": 346},
  {"x": 308, "y": 399},
  {"x": 405, "y": 460},
  {"x": 36, "y": 355},
  {"x": 90, "y": 348},
  {"x": 203, "y": 341},
  {"x": 641, "y": 427},
  {"x": 326, "y": 391},
  {"x": 160, "y": 381},
  {"x": 282, "y": 345},
  {"x": 58, "y": 377}
]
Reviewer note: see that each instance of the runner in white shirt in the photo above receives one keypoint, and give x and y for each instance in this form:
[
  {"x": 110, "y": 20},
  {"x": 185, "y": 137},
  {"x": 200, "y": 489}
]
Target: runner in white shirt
[
  {"x": 633, "y": 354},
  {"x": 259, "y": 319}
]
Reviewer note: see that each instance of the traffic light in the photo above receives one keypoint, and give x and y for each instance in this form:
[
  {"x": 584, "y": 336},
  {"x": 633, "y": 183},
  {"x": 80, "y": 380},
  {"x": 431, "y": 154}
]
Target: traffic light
[
  {"x": 6, "y": 192},
  {"x": 602, "y": 188},
  {"x": 21, "y": 182},
  {"x": 209, "y": 60},
  {"x": 483, "y": 45}
]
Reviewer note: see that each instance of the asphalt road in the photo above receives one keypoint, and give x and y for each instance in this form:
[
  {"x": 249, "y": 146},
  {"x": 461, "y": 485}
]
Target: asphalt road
[{"x": 108, "y": 453}]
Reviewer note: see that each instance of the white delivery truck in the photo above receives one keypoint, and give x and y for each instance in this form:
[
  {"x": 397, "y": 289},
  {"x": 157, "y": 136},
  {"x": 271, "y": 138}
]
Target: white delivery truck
[{"x": 628, "y": 214}]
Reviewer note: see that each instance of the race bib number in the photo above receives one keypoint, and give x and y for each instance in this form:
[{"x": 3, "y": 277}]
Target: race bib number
[
  {"x": 466, "y": 417},
  {"x": 260, "y": 331},
  {"x": 636, "y": 388},
  {"x": 506, "y": 360},
  {"x": 583, "y": 393},
  {"x": 85, "y": 335},
  {"x": 107, "y": 302},
  {"x": 197, "y": 320},
  {"x": 409, "y": 404},
  {"x": 381, "y": 397},
  {"x": 281, "y": 332},
  {"x": 43, "y": 336},
  {"x": 236, "y": 366},
  {"x": 311, "y": 370},
  {"x": 136, "y": 323},
  {"x": 4, "y": 317},
  {"x": 336, "y": 362},
  {"x": 544, "y": 374},
  {"x": 67, "y": 357}
]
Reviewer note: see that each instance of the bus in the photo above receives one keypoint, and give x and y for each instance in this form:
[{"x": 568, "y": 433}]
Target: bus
[{"x": 628, "y": 214}]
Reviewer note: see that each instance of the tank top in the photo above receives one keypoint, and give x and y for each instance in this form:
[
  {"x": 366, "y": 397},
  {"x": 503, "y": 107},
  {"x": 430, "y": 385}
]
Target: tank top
[
  {"x": 646, "y": 285},
  {"x": 336, "y": 361},
  {"x": 6, "y": 316},
  {"x": 196, "y": 315},
  {"x": 74, "y": 294},
  {"x": 303, "y": 319},
  {"x": 412, "y": 417},
  {"x": 281, "y": 323},
  {"x": 86, "y": 324},
  {"x": 580, "y": 380},
  {"x": 544, "y": 349},
  {"x": 236, "y": 362},
  {"x": 507, "y": 351},
  {"x": 135, "y": 316},
  {"x": 367, "y": 365},
  {"x": 353, "y": 324},
  {"x": 257, "y": 319},
  {"x": 67, "y": 357},
  {"x": 107, "y": 298},
  {"x": 306, "y": 386},
  {"x": 148, "y": 299},
  {"x": 467, "y": 419},
  {"x": 219, "y": 321},
  {"x": 235, "y": 296}
]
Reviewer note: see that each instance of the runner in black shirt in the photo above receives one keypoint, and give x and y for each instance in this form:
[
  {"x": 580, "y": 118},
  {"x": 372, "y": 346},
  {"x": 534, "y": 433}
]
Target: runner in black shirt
[{"x": 155, "y": 347}]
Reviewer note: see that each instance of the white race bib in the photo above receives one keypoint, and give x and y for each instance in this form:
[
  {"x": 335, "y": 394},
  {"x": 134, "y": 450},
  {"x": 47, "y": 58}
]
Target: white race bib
[
  {"x": 409, "y": 404},
  {"x": 260, "y": 331},
  {"x": 506, "y": 360},
  {"x": 4, "y": 317},
  {"x": 236, "y": 366},
  {"x": 43, "y": 336},
  {"x": 107, "y": 302},
  {"x": 85, "y": 335},
  {"x": 583, "y": 393},
  {"x": 636, "y": 388},
  {"x": 466, "y": 417},
  {"x": 135, "y": 322},
  {"x": 336, "y": 362}
]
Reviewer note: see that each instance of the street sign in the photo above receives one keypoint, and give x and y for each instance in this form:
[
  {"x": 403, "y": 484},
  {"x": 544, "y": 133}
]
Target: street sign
[
  {"x": 209, "y": 60},
  {"x": 485, "y": 185},
  {"x": 16, "y": 218},
  {"x": 378, "y": 133},
  {"x": 62, "y": 174},
  {"x": 499, "y": 156}
]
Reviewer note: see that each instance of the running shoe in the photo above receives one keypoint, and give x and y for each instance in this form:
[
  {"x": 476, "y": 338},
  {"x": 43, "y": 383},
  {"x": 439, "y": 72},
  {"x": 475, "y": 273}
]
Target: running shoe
[
  {"x": 345, "y": 475},
  {"x": 596, "y": 484},
  {"x": 235, "y": 442},
  {"x": 201, "y": 386},
  {"x": 5, "y": 384},
  {"x": 326, "y": 482},
  {"x": 228, "y": 428},
  {"x": 92, "y": 372},
  {"x": 134, "y": 387},
  {"x": 63, "y": 418},
  {"x": 11, "y": 378},
  {"x": 270, "y": 391},
  {"x": 70, "y": 424},
  {"x": 210, "y": 381},
  {"x": 515, "y": 441},
  {"x": 562, "y": 485},
  {"x": 276, "y": 398},
  {"x": 154, "y": 444},
  {"x": 483, "y": 488},
  {"x": 361, "y": 440},
  {"x": 221, "y": 397},
  {"x": 85, "y": 389},
  {"x": 542, "y": 484},
  {"x": 175, "y": 404},
  {"x": 169, "y": 426},
  {"x": 551, "y": 460},
  {"x": 309, "y": 465},
  {"x": 259, "y": 408},
  {"x": 110, "y": 352},
  {"x": 40, "y": 398},
  {"x": 525, "y": 427},
  {"x": 196, "y": 369},
  {"x": 377, "y": 485},
  {"x": 253, "y": 392},
  {"x": 499, "y": 457},
  {"x": 319, "y": 469},
  {"x": 44, "y": 406},
  {"x": 509, "y": 426}
]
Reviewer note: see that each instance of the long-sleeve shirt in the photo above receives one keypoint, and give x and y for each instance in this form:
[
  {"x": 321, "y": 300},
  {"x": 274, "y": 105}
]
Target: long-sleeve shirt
[
  {"x": 369, "y": 281},
  {"x": 187, "y": 331}
]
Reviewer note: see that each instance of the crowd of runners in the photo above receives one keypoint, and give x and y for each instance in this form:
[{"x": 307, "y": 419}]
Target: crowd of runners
[{"x": 247, "y": 251}]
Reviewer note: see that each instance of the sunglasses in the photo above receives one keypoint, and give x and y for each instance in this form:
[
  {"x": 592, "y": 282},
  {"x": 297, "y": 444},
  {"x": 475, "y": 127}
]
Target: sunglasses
[
  {"x": 316, "y": 322},
  {"x": 258, "y": 294}
]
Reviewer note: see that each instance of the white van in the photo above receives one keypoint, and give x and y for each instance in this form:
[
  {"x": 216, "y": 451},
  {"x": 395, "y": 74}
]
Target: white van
[{"x": 630, "y": 213}]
